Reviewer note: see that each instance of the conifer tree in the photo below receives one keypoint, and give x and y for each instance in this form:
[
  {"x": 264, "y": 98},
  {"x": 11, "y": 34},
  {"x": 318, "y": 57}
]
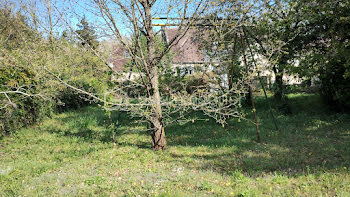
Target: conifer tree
[{"x": 87, "y": 35}]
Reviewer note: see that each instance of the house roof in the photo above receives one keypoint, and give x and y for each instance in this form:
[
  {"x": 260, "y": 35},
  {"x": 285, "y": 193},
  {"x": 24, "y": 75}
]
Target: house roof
[
  {"x": 118, "y": 58},
  {"x": 186, "y": 49}
]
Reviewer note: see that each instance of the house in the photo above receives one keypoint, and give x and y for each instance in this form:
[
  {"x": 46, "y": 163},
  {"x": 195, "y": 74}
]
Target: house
[
  {"x": 268, "y": 76},
  {"x": 118, "y": 58},
  {"x": 189, "y": 58},
  {"x": 187, "y": 54}
]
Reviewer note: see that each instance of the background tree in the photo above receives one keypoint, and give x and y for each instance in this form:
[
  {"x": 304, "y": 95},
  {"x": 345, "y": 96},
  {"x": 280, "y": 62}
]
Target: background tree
[
  {"x": 19, "y": 80},
  {"x": 278, "y": 33},
  {"x": 28, "y": 58},
  {"x": 87, "y": 35},
  {"x": 326, "y": 49}
]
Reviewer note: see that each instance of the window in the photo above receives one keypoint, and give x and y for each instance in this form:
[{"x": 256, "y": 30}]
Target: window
[{"x": 186, "y": 70}]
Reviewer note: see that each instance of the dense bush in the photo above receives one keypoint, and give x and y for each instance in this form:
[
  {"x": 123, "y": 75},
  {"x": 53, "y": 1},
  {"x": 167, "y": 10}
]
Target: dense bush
[
  {"x": 18, "y": 78},
  {"x": 327, "y": 49},
  {"x": 335, "y": 86},
  {"x": 32, "y": 69},
  {"x": 197, "y": 81},
  {"x": 19, "y": 109}
]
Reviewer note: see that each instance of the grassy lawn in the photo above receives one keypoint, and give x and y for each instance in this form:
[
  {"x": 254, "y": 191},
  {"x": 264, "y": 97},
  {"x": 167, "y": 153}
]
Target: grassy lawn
[{"x": 74, "y": 154}]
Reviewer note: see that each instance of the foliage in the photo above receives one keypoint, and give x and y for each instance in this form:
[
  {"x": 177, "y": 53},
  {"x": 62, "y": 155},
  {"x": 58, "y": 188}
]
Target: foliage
[
  {"x": 314, "y": 33},
  {"x": 197, "y": 82},
  {"x": 29, "y": 91},
  {"x": 79, "y": 68},
  {"x": 87, "y": 34},
  {"x": 19, "y": 78},
  {"x": 279, "y": 33},
  {"x": 304, "y": 87},
  {"x": 326, "y": 49},
  {"x": 73, "y": 154}
]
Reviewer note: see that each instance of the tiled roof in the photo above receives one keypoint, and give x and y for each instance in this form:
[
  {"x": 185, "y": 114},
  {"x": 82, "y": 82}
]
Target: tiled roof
[
  {"x": 118, "y": 58},
  {"x": 187, "y": 49}
]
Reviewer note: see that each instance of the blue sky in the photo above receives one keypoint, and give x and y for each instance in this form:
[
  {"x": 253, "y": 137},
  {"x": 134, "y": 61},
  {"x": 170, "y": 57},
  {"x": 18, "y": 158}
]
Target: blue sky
[{"x": 73, "y": 12}]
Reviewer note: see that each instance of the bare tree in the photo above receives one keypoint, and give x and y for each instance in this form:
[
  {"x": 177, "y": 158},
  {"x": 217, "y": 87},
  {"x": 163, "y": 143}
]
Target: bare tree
[
  {"x": 159, "y": 104},
  {"x": 139, "y": 14}
]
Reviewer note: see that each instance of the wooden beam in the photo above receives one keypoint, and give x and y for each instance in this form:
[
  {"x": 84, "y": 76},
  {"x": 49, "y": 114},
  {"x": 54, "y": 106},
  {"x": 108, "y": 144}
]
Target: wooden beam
[
  {"x": 187, "y": 18},
  {"x": 198, "y": 25}
]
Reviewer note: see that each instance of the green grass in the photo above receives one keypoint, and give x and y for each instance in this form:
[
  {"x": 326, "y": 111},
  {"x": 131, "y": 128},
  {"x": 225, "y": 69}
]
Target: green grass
[{"x": 74, "y": 154}]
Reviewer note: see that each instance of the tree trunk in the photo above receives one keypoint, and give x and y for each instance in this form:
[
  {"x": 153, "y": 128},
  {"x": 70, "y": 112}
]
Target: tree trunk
[
  {"x": 230, "y": 82},
  {"x": 158, "y": 134},
  {"x": 249, "y": 94},
  {"x": 278, "y": 85},
  {"x": 158, "y": 139}
]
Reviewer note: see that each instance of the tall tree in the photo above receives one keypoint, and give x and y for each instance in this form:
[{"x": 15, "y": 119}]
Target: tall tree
[
  {"x": 87, "y": 34},
  {"x": 278, "y": 33},
  {"x": 326, "y": 47}
]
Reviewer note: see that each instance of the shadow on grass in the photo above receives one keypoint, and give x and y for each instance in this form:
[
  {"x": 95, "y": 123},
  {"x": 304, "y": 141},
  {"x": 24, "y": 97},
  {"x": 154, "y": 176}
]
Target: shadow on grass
[{"x": 310, "y": 139}]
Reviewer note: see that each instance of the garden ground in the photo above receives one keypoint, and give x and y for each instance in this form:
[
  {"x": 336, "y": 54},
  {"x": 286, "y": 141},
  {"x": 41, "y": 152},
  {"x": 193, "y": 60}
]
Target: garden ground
[{"x": 75, "y": 154}]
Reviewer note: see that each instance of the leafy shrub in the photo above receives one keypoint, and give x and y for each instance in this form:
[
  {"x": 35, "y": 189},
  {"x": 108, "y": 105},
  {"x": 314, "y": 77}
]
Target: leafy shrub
[
  {"x": 18, "y": 110},
  {"x": 196, "y": 82},
  {"x": 32, "y": 69},
  {"x": 335, "y": 86}
]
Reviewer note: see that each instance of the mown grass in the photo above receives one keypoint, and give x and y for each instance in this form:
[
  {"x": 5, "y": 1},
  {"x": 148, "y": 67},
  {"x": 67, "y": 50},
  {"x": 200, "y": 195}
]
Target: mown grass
[{"x": 75, "y": 154}]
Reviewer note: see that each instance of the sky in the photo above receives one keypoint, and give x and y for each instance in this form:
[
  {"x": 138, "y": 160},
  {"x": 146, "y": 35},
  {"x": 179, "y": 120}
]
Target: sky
[{"x": 66, "y": 14}]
